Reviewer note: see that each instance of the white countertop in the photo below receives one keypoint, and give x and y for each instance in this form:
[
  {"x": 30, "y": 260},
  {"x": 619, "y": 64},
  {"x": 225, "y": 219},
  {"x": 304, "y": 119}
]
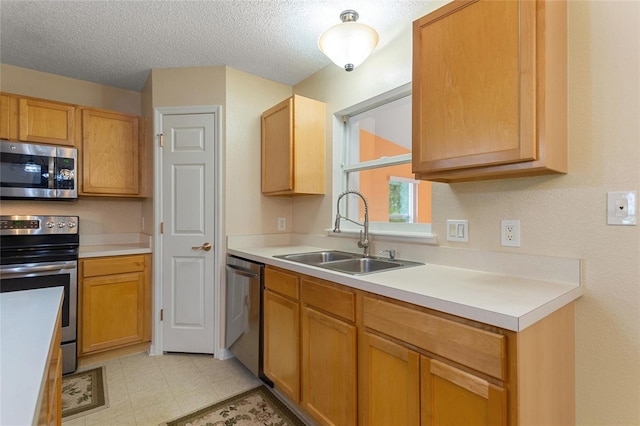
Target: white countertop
[
  {"x": 101, "y": 250},
  {"x": 513, "y": 303},
  {"x": 28, "y": 325}
]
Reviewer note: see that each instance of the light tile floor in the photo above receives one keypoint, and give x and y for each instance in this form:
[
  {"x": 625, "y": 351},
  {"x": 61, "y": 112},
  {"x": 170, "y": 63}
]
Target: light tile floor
[{"x": 148, "y": 390}]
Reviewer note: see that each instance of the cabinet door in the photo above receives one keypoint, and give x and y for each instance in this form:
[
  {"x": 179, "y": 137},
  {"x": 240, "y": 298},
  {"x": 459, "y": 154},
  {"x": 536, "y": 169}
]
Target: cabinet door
[
  {"x": 389, "y": 383},
  {"x": 293, "y": 147},
  {"x": 328, "y": 368},
  {"x": 474, "y": 85},
  {"x": 454, "y": 397},
  {"x": 113, "y": 311},
  {"x": 110, "y": 157},
  {"x": 277, "y": 148},
  {"x": 51, "y": 403},
  {"x": 8, "y": 117},
  {"x": 46, "y": 122},
  {"x": 282, "y": 343}
]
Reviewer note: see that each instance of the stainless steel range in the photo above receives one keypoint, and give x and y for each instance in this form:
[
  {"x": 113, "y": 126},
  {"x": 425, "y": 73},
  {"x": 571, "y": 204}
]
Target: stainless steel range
[{"x": 39, "y": 252}]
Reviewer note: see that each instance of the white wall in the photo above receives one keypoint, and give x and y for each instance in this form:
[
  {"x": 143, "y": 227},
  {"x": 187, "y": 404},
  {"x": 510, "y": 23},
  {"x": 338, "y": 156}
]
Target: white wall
[
  {"x": 561, "y": 215},
  {"x": 243, "y": 98},
  {"x": 23, "y": 81},
  {"x": 248, "y": 211}
]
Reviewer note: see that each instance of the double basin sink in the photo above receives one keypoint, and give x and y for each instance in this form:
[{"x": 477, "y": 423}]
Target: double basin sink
[{"x": 350, "y": 263}]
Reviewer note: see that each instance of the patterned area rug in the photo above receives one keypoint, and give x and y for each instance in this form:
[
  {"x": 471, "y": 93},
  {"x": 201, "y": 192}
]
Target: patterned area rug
[
  {"x": 84, "y": 393},
  {"x": 255, "y": 407}
]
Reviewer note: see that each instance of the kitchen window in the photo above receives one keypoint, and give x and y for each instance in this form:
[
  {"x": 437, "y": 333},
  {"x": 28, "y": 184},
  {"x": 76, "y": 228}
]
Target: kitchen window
[{"x": 375, "y": 159}]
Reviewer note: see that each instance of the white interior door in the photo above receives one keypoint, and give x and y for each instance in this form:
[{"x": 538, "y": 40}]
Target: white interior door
[{"x": 188, "y": 216}]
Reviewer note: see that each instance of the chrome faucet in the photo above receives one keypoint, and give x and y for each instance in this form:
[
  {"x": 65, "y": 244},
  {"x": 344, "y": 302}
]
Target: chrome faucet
[{"x": 364, "y": 236}]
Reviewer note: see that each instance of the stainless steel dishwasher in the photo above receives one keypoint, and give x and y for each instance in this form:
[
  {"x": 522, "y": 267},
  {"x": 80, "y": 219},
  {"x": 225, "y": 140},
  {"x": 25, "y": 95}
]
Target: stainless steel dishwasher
[{"x": 244, "y": 312}]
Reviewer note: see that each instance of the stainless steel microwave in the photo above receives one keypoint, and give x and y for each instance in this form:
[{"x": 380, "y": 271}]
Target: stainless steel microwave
[{"x": 31, "y": 171}]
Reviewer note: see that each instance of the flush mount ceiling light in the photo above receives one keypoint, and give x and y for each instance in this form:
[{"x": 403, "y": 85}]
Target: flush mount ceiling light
[{"x": 348, "y": 44}]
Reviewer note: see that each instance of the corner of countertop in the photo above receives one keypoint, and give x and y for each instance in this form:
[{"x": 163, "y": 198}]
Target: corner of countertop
[{"x": 100, "y": 245}]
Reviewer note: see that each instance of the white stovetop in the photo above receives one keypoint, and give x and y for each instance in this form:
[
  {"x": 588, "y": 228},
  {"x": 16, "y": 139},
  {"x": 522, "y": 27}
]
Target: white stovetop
[
  {"x": 513, "y": 303},
  {"x": 28, "y": 325}
]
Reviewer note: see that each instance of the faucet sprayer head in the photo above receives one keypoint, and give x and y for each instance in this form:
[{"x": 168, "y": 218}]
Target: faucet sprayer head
[{"x": 336, "y": 227}]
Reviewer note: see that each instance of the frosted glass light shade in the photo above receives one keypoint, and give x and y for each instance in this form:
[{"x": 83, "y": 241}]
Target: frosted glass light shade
[{"x": 348, "y": 44}]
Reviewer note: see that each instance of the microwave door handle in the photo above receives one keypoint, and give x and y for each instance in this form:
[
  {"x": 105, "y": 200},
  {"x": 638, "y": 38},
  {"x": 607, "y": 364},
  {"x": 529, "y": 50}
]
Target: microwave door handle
[{"x": 52, "y": 172}]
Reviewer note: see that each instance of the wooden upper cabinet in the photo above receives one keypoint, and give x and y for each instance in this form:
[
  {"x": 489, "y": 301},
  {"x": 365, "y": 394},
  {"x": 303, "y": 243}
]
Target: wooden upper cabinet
[
  {"x": 489, "y": 90},
  {"x": 293, "y": 147},
  {"x": 8, "y": 117},
  {"x": 110, "y": 154},
  {"x": 36, "y": 120},
  {"x": 46, "y": 122}
]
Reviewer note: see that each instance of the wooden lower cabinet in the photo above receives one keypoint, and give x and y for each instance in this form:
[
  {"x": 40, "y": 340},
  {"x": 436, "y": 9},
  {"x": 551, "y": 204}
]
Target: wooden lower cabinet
[
  {"x": 51, "y": 406},
  {"x": 389, "y": 362},
  {"x": 389, "y": 382},
  {"x": 282, "y": 343},
  {"x": 450, "y": 396},
  {"x": 329, "y": 371},
  {"x": 310, "y": 345},
  {"x": 115, "y": 302},
  {"x": 400, "y": 386}
]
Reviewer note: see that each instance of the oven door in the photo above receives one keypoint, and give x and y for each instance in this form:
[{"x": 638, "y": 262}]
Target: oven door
[{"x": 30, "y": 276}]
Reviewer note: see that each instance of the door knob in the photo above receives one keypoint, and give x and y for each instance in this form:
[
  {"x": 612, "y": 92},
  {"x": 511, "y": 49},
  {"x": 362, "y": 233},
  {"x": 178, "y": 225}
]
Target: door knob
[{"x": 205, "y": 247}]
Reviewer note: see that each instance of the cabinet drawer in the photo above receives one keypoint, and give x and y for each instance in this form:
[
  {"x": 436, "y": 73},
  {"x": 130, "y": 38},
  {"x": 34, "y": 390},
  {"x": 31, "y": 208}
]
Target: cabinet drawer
[
  {"x": 112, "y": 265},
  {"x": 479, "y": 349},
  {"x": 328, "y": 298},
  {"x": 281, "y": 282}
]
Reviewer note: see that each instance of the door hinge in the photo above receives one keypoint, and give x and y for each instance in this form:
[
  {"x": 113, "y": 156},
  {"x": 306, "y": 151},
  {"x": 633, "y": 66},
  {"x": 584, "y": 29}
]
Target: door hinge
[
  {"x": 161, "y": 136},
  {"x": 161, "y": 314},
  {"x": 162, "y": 227}
]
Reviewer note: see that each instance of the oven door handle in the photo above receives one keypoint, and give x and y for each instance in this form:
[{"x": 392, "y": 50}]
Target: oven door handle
[{"x": 11, "y": 271}]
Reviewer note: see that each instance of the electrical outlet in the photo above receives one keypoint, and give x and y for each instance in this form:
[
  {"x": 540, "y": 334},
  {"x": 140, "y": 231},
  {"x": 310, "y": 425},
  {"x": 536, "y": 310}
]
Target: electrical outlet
[
  {"x": 282, "y": 223},
  {"x": 458, "y": 230},
  {"x": 510, "y": 233}
]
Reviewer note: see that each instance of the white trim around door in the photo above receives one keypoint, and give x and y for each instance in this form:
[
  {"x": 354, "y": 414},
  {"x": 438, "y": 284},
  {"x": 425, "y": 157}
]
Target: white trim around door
[{"x": 219, "y": 242}]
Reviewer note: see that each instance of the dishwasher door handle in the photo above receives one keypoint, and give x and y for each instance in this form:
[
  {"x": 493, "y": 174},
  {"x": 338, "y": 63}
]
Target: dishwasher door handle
[{"x": 243, "y": 272}]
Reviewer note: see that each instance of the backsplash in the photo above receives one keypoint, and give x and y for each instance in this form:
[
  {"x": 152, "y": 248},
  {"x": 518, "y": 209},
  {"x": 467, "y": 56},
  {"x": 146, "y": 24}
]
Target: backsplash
[
  {"x": 97, "y": 215},
  {"x": 536, "y": 267}
]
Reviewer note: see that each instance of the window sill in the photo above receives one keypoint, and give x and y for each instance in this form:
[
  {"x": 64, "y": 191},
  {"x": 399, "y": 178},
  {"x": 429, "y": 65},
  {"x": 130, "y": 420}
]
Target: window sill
[{"x": 424, "y": 237}]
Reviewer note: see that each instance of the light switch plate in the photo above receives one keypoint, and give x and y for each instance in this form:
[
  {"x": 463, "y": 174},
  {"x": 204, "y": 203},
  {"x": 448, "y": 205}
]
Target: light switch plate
[
  {"x": 621, "y": 208},
  {"x": 458, "y": 230}
]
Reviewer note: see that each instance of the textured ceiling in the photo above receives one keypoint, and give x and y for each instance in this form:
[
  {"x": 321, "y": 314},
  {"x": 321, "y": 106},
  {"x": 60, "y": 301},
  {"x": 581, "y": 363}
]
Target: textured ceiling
[{"x": 117, "y": 43}]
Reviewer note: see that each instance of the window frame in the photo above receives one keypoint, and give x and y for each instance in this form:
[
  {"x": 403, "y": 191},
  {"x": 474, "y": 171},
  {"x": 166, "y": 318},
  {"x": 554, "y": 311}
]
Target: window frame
[{"x": 420, "y": 231}]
